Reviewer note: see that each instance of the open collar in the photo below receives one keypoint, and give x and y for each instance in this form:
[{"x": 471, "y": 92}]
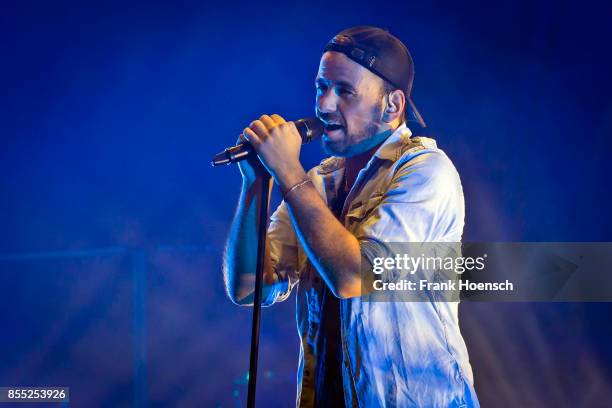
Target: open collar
[{"x": 390, "y": 149}]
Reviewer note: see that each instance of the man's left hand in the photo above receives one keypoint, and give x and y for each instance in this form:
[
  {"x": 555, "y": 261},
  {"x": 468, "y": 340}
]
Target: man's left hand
[{"x": 278, "y": 144}]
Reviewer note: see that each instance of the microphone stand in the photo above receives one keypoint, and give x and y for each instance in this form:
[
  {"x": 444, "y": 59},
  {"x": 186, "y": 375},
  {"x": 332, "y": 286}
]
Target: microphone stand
[
  {"x": 308, "y": 128},
  {"x": 261, "y": 251}
]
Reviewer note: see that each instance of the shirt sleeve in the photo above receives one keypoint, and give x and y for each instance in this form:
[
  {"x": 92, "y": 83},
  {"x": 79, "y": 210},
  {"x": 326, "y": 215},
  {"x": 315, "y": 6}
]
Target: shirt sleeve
[
  {"x": 283, "y": 255},
  {"x": 423, "y": 203}
]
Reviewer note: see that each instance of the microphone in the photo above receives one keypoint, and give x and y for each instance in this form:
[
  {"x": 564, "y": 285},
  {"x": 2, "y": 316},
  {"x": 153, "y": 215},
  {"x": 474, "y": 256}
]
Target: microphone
[{"x": 309, "y": 128}]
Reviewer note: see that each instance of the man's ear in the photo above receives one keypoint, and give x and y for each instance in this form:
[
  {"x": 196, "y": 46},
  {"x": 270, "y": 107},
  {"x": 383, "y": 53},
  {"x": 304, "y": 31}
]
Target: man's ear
[{"x": 394, "y": 106}]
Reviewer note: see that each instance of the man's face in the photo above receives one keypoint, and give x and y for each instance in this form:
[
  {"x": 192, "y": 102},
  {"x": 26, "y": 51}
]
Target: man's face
[{"x": 350, "y": 102}]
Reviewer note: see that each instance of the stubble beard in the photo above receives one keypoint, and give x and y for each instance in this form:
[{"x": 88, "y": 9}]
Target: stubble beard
[{"x": 343, "y": 147}]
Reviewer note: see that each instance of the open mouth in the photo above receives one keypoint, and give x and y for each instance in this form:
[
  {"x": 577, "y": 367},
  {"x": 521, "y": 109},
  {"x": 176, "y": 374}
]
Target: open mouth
[{"x": 330, "y": 127}]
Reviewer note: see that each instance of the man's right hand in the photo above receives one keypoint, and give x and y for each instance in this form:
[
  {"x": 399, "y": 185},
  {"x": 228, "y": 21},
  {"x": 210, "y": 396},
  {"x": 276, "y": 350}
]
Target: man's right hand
[{"x": 251, "y": 169}]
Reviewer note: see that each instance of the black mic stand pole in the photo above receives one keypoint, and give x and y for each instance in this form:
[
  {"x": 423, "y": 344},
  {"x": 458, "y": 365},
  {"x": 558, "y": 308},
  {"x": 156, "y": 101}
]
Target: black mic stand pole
[{"x": 261, "y": 252}]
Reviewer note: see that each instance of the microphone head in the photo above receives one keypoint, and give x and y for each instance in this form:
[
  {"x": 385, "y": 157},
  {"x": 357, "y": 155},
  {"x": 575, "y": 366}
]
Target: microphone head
[{"x": 309, "y": 128}]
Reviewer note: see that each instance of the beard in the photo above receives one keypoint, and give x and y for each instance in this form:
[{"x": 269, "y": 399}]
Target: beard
[{"x": 354, "y": 142}]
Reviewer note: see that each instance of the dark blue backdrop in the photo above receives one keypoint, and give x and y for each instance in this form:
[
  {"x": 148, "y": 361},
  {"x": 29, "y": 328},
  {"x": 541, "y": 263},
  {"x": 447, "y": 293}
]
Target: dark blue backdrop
[{"x": 113, "y": 222}]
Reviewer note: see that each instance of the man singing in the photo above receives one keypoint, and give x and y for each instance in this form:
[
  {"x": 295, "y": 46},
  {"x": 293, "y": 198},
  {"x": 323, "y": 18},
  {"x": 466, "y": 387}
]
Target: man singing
[{"x": 380, "y": 185}]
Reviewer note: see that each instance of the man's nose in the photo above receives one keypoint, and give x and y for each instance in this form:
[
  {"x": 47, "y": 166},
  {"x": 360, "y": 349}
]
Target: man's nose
[{"x": 326, "y": 102}]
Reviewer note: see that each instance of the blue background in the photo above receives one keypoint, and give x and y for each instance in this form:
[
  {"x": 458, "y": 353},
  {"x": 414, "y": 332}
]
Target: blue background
[{"x": 113, "y": 222}]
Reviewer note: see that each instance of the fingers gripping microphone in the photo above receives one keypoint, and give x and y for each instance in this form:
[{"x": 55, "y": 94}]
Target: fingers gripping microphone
[{"x": 309, "y": 128}]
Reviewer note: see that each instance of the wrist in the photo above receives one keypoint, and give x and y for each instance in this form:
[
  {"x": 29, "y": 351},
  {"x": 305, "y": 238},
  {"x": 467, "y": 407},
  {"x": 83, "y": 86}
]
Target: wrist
[
  {"x": 287, "y": 192},
  {"x": 250, "y": 183},
  {"x": 290, "y": 178}
]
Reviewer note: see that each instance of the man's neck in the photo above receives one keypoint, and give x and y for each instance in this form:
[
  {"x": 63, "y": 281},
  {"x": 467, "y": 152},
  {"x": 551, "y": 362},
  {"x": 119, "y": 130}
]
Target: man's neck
[{"x": 355, "y": 163}]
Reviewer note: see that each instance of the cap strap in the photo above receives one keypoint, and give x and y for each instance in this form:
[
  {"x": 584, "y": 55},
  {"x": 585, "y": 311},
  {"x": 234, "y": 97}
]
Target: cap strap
[{"x": 360, "y": 56}]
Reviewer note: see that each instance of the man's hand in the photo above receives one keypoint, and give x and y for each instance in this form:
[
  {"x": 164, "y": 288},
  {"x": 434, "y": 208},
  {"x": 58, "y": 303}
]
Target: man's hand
[
  {"x": 278, "y": 144},
  {"x": 251, "y": 168}
]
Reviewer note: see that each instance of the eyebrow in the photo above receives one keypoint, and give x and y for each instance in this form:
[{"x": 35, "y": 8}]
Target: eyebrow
[{"x": 341, "y": 83}]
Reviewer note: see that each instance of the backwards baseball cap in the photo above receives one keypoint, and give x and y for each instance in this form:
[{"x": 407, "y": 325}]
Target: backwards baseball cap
[{"x": 383, "y": 54}]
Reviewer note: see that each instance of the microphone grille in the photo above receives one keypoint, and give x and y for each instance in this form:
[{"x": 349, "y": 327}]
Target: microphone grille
[{"x": 309, "y": 128}]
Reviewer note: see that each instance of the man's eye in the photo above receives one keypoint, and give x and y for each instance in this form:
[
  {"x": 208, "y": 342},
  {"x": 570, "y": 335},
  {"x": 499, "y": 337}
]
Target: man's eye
[{"x": 343, "y": 91}]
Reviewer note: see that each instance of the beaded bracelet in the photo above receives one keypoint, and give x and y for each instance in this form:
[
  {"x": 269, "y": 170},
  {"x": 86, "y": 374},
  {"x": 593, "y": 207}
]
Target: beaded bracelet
[{"x": 295, "y": 186}]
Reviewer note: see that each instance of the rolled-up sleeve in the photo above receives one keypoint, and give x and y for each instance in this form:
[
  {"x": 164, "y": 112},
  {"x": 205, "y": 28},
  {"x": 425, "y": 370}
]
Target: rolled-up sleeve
[{"x": 283, "y": 255}]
